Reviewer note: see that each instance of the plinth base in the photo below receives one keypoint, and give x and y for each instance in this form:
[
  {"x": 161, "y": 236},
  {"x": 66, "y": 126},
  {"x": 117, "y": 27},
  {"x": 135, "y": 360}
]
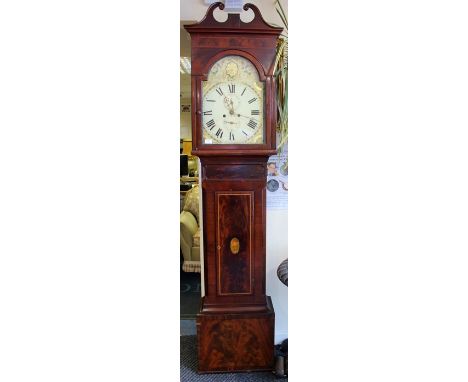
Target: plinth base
[{"x": 241, "y": 341}]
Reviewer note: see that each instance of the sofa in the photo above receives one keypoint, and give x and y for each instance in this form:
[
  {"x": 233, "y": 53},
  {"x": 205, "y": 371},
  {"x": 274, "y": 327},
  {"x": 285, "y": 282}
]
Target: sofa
[{"x": 190, "y": 231}]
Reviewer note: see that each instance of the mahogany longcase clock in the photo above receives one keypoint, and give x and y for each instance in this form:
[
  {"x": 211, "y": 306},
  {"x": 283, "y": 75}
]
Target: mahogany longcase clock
[{"x": 233, "y": 130}]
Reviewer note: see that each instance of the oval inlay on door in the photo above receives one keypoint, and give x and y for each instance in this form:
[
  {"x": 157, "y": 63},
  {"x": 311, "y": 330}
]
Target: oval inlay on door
[{"x": 234, "y": 245}]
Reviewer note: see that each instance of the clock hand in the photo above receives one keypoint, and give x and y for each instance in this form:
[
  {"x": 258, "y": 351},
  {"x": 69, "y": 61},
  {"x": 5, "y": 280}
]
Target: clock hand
[{"x": 245, "y": 116}]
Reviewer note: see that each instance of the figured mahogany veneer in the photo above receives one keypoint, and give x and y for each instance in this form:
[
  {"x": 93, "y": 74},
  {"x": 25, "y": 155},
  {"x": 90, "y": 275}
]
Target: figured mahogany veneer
[
  {"x": 234, "y": 171},
  {"x": 233, "y": 342},
  {"x": 235, "y": 325},
  {"x": 234, "y": 223}
]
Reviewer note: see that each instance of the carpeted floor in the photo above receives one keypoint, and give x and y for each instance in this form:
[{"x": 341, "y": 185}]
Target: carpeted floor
[
  {"x": 190, "y": 295},
  {"x": 188, "y": 328},
  {"x": 188, "y": 367}
]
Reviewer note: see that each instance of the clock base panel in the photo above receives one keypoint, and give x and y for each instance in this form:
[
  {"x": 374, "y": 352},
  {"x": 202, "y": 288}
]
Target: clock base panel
[{"x": 236, "y": 342}]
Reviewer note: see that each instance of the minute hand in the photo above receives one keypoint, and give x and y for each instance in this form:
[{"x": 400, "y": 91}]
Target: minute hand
[{"x": 245, "y": 116}]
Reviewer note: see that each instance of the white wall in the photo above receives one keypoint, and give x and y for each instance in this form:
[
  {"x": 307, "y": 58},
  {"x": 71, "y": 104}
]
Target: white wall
[
  {"x": 277, "y": 221},
  {"x": 277, "y": 251}
]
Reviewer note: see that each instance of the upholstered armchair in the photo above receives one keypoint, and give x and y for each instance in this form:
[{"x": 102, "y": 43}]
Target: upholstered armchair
[{"x": 190, "y": 232}]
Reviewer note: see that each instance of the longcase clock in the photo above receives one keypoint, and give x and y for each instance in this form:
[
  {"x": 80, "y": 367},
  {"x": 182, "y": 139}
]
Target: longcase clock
[{"x": 233, "y": 130}]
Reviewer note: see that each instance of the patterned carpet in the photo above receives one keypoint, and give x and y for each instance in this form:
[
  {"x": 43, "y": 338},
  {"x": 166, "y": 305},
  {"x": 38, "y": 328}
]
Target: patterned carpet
[{"x": 188, "y": 367}]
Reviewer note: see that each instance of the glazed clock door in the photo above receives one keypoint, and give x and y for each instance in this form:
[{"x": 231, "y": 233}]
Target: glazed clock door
[{"x": 233, "y": 103}]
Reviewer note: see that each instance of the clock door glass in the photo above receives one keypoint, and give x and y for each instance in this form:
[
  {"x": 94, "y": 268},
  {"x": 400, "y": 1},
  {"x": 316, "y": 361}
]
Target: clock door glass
[{"x": 232, "y": 103}]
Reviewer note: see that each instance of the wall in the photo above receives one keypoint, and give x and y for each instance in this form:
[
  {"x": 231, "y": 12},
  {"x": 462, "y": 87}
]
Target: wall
[
  {"x": 185, "y": 121},
  {"x": 277, "y": 251},
  {"x": 277, "y": 221}
]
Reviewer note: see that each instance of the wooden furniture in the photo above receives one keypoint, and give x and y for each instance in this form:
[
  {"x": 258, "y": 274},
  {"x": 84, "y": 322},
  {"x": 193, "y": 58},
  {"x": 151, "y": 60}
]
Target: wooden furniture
[
  {"x": 186, "y": 146},
  {"x": 233, "y": 130},
  {"x": 190, "y": 231}
]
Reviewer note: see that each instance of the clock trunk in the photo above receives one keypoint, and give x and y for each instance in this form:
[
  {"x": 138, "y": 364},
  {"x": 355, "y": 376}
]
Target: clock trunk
[{"x": 235, "y": 326}]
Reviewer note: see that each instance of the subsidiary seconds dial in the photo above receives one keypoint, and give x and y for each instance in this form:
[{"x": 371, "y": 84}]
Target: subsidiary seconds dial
[{"x": 232, "y": 113}]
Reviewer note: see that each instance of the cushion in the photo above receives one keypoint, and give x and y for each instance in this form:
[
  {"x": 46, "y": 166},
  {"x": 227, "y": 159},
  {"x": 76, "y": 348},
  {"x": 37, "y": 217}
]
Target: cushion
[
  {"x": 196, "y": 238},
  {"x": 188, "y": 227},
  {"x": 191, "y": 201}
]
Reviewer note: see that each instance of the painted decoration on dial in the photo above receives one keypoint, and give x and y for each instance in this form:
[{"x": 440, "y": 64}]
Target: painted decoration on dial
[{"x": 232, "y": 103}]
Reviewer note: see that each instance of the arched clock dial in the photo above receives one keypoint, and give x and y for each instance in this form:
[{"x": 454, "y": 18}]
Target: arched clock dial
[{"x": 233, "y": 103}]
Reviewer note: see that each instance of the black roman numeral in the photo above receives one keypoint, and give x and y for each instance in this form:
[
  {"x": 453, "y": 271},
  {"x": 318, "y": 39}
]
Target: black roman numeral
[
  {"x": 243, "y": 91},
  {"x": 219, "y": 133},
  {"x": 208, "y": 112},
  {"x": 255, "y": 112},
  {"x": 252, "y": 124},
  {"x": 231, "y": 136},
  {"x": 219, "y": 91},
  {"x": 232, "y": 88},
  {"x": 252, "y": 100},
  {"x": 211, "y": 124}
]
